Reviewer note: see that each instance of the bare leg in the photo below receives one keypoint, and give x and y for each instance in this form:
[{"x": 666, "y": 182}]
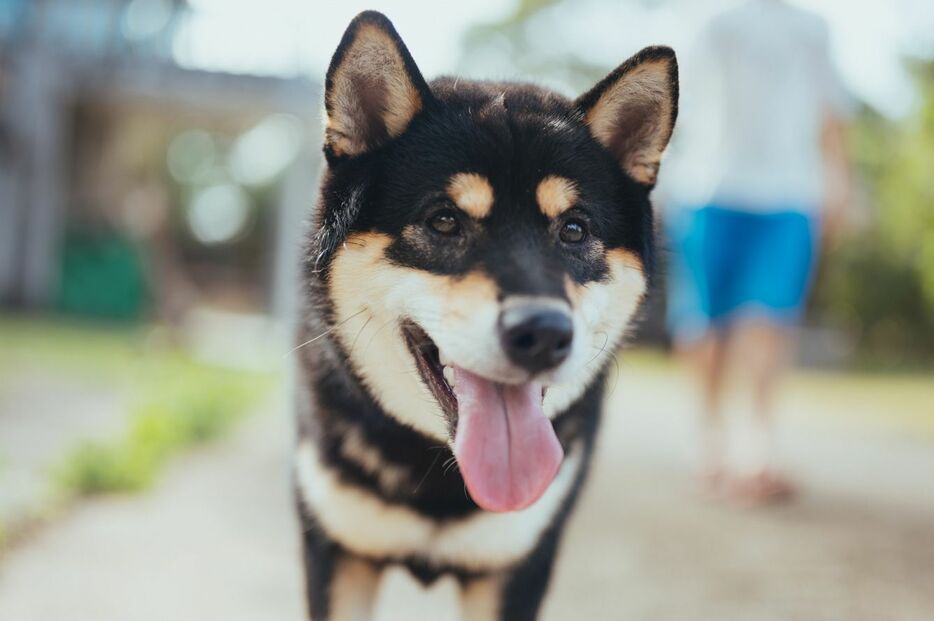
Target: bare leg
[
  {"x": 762, "y": 353},
  {"x": 706, "y": 360}
]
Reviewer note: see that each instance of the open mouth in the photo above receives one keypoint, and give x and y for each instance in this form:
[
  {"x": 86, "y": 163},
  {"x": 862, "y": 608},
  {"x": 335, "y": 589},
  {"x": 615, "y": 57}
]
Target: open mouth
[
  {"x": 505, "y": 446},
  {"x": 438, "y": 377}
]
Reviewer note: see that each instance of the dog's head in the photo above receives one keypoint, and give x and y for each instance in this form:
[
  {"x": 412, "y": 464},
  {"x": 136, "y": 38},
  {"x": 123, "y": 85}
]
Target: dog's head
[{"x": 483, "y": 246}]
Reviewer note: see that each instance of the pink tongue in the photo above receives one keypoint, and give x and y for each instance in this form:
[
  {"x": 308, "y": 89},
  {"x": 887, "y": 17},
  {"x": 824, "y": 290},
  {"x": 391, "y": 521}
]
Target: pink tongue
[{"x": 505, "y": 446}]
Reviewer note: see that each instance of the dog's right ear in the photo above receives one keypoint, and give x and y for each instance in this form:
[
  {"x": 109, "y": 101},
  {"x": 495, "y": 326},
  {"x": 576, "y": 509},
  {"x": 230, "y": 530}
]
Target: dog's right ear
[
  {"x": 632, "y": 111},
  {"x": 373, "y": 88}
]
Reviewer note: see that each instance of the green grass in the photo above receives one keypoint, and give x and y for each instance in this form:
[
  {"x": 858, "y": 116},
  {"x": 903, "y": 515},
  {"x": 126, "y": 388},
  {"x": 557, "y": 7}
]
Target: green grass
[
  {"x": 174, "y": 401},
  {"x": 79, "y": 347},
  {"x": 197, "y": 406}
]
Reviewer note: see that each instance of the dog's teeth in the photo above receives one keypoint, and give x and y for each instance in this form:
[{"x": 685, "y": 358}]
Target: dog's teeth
[
  {"x": 445, "y": 361},
  {"x": 449, "y": 375}
]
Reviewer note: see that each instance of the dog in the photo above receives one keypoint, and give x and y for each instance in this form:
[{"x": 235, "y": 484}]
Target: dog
[{"x": 476, "y": 256}]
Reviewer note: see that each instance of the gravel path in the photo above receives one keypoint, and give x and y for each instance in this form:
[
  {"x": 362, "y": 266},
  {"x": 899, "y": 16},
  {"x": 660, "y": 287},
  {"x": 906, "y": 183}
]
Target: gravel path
[{"x": 217, "y": 540}]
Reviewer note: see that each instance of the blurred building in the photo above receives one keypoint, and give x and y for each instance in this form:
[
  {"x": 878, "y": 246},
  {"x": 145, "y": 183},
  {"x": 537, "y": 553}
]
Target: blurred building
[{"x": 109, "y": 146}]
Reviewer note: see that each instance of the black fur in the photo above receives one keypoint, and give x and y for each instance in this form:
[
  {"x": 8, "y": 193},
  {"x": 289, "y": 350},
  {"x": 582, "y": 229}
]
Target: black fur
[
  {"x": 514, "y": 135},
  {"x": 319, "y": 555}
]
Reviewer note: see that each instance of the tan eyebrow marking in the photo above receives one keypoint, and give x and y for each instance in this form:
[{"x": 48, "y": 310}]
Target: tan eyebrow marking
[
  {"x": 472, "y": 193},
  {"x": 555, "y": 195}
]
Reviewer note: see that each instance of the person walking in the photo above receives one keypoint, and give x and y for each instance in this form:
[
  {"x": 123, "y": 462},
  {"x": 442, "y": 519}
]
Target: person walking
[{"x": 758, "y": 176}]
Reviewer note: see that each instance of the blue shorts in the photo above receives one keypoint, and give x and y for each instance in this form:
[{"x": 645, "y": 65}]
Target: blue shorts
[{"x": 727, "y": 264}]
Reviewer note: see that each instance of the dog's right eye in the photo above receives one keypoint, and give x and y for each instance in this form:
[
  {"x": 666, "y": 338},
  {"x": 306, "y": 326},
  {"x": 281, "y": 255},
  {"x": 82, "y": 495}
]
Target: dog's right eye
[{"x": 444, "y": 222}]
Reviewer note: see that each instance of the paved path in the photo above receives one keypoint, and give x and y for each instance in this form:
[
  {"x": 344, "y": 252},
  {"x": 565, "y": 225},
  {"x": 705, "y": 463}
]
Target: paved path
[
  {"x": 217, "y": 541},
  {"x": 42, "y": 415}
]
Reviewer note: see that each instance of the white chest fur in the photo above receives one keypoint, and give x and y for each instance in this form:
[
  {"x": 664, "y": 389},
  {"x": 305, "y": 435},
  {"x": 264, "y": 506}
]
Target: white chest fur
[
  {"x": 367, "y": 525},
  {"x": 400, "y": 598}
]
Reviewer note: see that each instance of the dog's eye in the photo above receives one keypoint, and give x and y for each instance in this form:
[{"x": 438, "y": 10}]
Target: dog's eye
[
  {"x": 444, "y": 222},
  {"x": 573, "y": 232}
]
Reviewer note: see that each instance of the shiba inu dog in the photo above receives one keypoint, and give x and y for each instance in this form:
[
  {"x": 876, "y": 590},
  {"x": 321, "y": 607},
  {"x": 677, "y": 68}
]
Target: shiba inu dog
[{"x": 477, "y": 253}]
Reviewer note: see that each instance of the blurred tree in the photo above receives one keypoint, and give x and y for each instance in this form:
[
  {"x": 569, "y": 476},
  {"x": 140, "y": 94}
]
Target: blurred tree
[
  {"x": 529, "y": 42},
  {"x": 880, "y": 283}
]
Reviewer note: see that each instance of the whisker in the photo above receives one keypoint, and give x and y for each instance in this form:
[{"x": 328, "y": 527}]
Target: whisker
[
  {"x": 449, "y": 463},
  {"x": 373, "y": 336},
  {"x": 325, "y": 333},
  {"x": 606, "y": 339},
  {"x": 359, "y": 332},
  {"x": 425, "y": 477}
]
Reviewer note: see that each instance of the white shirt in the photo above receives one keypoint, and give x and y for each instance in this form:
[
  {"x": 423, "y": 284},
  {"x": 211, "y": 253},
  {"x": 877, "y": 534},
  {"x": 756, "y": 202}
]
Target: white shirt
[{"x": 755, "y": 94}]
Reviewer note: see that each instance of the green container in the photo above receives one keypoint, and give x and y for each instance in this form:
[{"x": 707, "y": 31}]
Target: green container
[{"x": 102, "y": 277}]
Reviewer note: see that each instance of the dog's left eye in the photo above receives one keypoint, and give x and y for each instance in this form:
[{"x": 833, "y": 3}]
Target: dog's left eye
[
  {"x": 573, "y": 231},
  {"x": 444, "y": 222}
]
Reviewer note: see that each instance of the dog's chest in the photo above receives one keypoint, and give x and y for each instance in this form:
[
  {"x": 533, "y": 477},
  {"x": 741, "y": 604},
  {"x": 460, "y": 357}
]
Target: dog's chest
[{"x": 367, "y": 525}]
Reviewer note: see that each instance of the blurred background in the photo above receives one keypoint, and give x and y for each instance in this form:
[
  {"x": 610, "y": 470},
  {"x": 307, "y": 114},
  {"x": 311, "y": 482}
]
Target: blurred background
[{"x": 158, "y": 159}]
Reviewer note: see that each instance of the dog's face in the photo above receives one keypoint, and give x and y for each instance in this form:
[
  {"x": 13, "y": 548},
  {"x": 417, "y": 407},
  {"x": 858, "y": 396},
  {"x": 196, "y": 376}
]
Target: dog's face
[{"x": 484, "y": 246}]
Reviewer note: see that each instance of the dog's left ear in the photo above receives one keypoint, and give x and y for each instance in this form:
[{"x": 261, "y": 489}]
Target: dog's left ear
[
  {"x": 373, "y": 88},
  {"x": 632, "y": 111}
]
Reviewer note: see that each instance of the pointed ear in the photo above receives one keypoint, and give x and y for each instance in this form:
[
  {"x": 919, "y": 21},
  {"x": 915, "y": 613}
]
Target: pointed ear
[
  {"x": 373, "y": 88},
  {"x": 632, "y": 111}
]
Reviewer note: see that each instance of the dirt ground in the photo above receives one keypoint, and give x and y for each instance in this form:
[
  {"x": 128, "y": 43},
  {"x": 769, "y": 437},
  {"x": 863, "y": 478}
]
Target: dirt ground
[{"x": 216, "y": 540}]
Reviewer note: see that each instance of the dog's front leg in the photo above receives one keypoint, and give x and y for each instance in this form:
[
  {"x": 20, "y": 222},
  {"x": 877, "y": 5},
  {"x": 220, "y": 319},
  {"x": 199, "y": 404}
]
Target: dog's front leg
[
  {"x": 338, "y": 586},
  {"x": 527, "y": 584},
  {"x": 482, "y": 599},
  {"x": 353, "y": 590}
]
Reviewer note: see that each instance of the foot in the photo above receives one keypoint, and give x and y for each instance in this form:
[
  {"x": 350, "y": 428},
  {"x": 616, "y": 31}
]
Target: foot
[{"x": 761, "y": 489}]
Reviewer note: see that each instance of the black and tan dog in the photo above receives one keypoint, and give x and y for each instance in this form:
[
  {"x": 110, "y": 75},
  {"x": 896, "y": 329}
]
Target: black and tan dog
[{"x": 477, "y": 253}]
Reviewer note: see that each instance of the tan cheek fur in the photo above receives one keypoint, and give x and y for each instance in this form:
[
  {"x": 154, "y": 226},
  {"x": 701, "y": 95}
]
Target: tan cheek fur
[
  {"x": 371, "y": 296},
  {"x": 472, "y": 193},
  {"x": 555, "y": 195},
  {"x": 609, "y": 307},
  {"x": 362, "y": 275},
  {"x": 602, "y": 313}
]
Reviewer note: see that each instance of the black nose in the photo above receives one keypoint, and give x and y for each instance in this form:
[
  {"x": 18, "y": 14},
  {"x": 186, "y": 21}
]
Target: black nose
[{"x": 536, "y": 337}]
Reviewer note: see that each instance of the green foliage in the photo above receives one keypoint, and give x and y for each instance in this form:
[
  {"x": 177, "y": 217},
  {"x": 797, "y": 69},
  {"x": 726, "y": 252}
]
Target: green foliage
[
  {"x": 517, "y": 42},
  {"x": 98, "y": 467},
  {"x": 879, "y": 300},
  {"x": 880, "y": 284},
  {"x": 198, "y": 404},
  {"x": 175, "y": 402}
]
